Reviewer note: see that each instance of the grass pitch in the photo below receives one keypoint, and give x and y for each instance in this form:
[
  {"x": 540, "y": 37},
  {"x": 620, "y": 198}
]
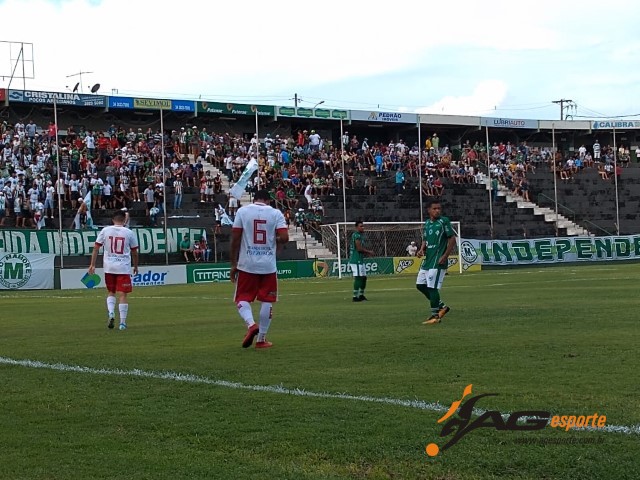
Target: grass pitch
[{"x": 176, "y": 397}]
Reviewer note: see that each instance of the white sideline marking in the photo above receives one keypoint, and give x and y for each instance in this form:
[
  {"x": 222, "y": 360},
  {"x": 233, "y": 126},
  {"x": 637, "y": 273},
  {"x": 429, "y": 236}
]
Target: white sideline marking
[
  {"x": 278, "y": 389},
  {"x": 100, "y": 293}
]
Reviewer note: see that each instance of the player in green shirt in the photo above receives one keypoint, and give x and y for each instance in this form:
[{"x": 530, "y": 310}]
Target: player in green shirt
[
  {"x": 438, "y": 241},
  {"x": 358, "y": 250}
]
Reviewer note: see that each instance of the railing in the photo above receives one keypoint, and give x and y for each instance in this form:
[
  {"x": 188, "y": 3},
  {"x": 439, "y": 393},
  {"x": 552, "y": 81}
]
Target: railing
[{"x": 573, "y": 215}]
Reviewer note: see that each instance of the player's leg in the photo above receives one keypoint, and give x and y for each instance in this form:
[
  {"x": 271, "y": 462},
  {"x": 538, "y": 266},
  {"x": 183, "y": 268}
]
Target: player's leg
[
  {"x": 246, "y": 291},
  {"x": 356, "y": 281},
  {"x": 123, "y": 309},
  {"x": 110, "y": 282},
  {"x": 123, "y": 288},
  {"x": 363, "y": 283},
  {"x": 443, "y": 308},
  {"x": 268, "y": 295},
  {"x": 421, "y": 285},
  {"x": 433, "y": 280}
]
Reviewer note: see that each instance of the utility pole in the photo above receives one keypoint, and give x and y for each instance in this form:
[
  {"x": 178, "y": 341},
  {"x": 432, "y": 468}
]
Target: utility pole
[
  {"x": 295, "y": 100},
  {"x": 562, "y": 101}
]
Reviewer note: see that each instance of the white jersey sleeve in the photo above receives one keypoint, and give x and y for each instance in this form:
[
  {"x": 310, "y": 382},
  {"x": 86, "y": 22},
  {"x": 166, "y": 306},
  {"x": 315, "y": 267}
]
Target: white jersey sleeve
[
  {"x": 258, "y": 223},
  {"x": 117, "y": 242}
]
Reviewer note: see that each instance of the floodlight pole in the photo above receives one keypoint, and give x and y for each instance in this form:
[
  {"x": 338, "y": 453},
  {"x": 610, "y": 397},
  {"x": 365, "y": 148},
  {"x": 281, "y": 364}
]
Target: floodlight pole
[
  {"x": 615, "y": 178},
  {"x": 420, "y": 167},
  {"x": 490, "y": 181},
  {"x": 257, "y": 152},
  {"x": 555, "y": 173},
  {"x": 344, "y": 176},
  {"x": 164, "y": 187},
  {"x": 55, "y": 121}
]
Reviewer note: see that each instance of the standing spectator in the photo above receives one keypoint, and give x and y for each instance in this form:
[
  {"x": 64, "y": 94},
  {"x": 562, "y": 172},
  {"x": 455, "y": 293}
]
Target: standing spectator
[
  {"x": 358, "y": 251},
  {"x": 149, "y": 198},
  {"x": 435, "y": 143},
  {"x": 399, "y": 181},
  {"x": 218, "y": 212},
  {"x": 3, "y": 206},
  {"x": 177, "y": 193},
  {"x": 596, "y": 151},
  {"x": 120, "y": 248},
  {"x": 438, "y": 241},
  {"x": 308, "y": 189},
  {"x": 52, "y": 132},
  {"x": 412, "y": 249},
  {"x": 17, "y": 210},
  {"x": 257, "y": 230},
  {"x": 30, "y": 130},
  {"x": 49, "y": 194},
  {"x": 90, "y": 143},
  {"x": 232, "y": 205}
]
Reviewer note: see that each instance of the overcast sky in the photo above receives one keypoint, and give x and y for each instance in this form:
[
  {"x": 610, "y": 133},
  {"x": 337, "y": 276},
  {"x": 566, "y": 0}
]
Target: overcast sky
[{"x": 492, "y": 58}]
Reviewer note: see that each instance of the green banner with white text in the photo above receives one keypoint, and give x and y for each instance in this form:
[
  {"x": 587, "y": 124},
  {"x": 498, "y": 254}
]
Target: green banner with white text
[
  {"x": 80, "y": 242},
  {"x": 550, "y": 250}
]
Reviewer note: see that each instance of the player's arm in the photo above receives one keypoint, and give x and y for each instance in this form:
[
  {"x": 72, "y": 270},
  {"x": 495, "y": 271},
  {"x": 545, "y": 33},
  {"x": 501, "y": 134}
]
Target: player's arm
[
  {"x": 94, "y": 257},
  {"x": 420, "y": 252},
  {"x": 134, "y": 259},
  {"x": 451, "y": 243},
  {"x": 236, "y": 239},
  {"x": 361, "y": 249},
  {"x": 282, "y": 236}
]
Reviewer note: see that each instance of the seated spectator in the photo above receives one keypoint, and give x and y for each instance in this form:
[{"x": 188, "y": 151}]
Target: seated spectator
[
  {"x": 185, "y": 248},
  {"x": 412, "y": 249},
  {"x": 602, "y": 172},
  {"x": 316, "y": 205},
  {"x": 370, "y": 185},
  {"x": 203, "y": 248},
  {"x": 153, "y": 216},
  {"x": 438, "y": 187}
]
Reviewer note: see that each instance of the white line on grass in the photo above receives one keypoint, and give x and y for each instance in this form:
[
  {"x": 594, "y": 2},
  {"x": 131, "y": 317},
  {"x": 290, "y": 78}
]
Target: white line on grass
[
  {"x": 277, "y": 389},
  {"x": 77, "y": 295}
]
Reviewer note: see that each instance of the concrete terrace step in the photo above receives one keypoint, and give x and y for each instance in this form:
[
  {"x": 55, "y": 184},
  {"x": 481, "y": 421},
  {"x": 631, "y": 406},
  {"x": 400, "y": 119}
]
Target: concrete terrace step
[{"x": 550, "y": 216}]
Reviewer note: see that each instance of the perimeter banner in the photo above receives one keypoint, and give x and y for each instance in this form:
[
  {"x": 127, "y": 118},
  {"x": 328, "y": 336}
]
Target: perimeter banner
[
  {"x": 80, "y": 242},
  {"x": 26, "y": 272},
  {"x": 411, "y": 265},
  {"x": 550, "y": 250}
]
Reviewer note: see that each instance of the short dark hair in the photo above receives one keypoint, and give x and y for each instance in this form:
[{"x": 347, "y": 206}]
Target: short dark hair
[
  {"x": 118, "y": 216},
  {"x": 262, "y": 195},
  {"x": 431, "y": 202},
  {"x": 358, "y": 223}
]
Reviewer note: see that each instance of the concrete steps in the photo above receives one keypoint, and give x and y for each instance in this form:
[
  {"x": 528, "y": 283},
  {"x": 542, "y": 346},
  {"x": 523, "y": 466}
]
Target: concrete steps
[
  {"x": 313, "y": 247},
  {"x": 572, "y": 228}
]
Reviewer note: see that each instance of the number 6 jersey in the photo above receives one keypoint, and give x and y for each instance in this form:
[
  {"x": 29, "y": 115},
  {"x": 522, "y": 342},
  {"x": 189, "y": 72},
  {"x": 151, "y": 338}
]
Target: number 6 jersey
[
  {"x": 117, "y": 241},
  {"x": 258, "y": 223}
]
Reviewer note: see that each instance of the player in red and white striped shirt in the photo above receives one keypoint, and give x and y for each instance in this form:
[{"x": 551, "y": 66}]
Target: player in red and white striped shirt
[
  {"x": 257, "y": 230},
  {"x": 120, "y": 248}
]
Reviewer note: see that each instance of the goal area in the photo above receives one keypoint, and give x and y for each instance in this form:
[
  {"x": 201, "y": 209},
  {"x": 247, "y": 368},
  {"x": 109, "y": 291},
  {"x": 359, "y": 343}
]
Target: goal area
[{"x": 386, "y": 239}]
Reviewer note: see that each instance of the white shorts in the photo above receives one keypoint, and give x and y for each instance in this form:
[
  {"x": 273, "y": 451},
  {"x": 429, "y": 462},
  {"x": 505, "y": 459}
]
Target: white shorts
[
  {"x": 432, "y": 278},
  {"x": 596, "y": 155},
  {"x": 358, "y": 269},
  {"x": 233, "y": 202}
]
